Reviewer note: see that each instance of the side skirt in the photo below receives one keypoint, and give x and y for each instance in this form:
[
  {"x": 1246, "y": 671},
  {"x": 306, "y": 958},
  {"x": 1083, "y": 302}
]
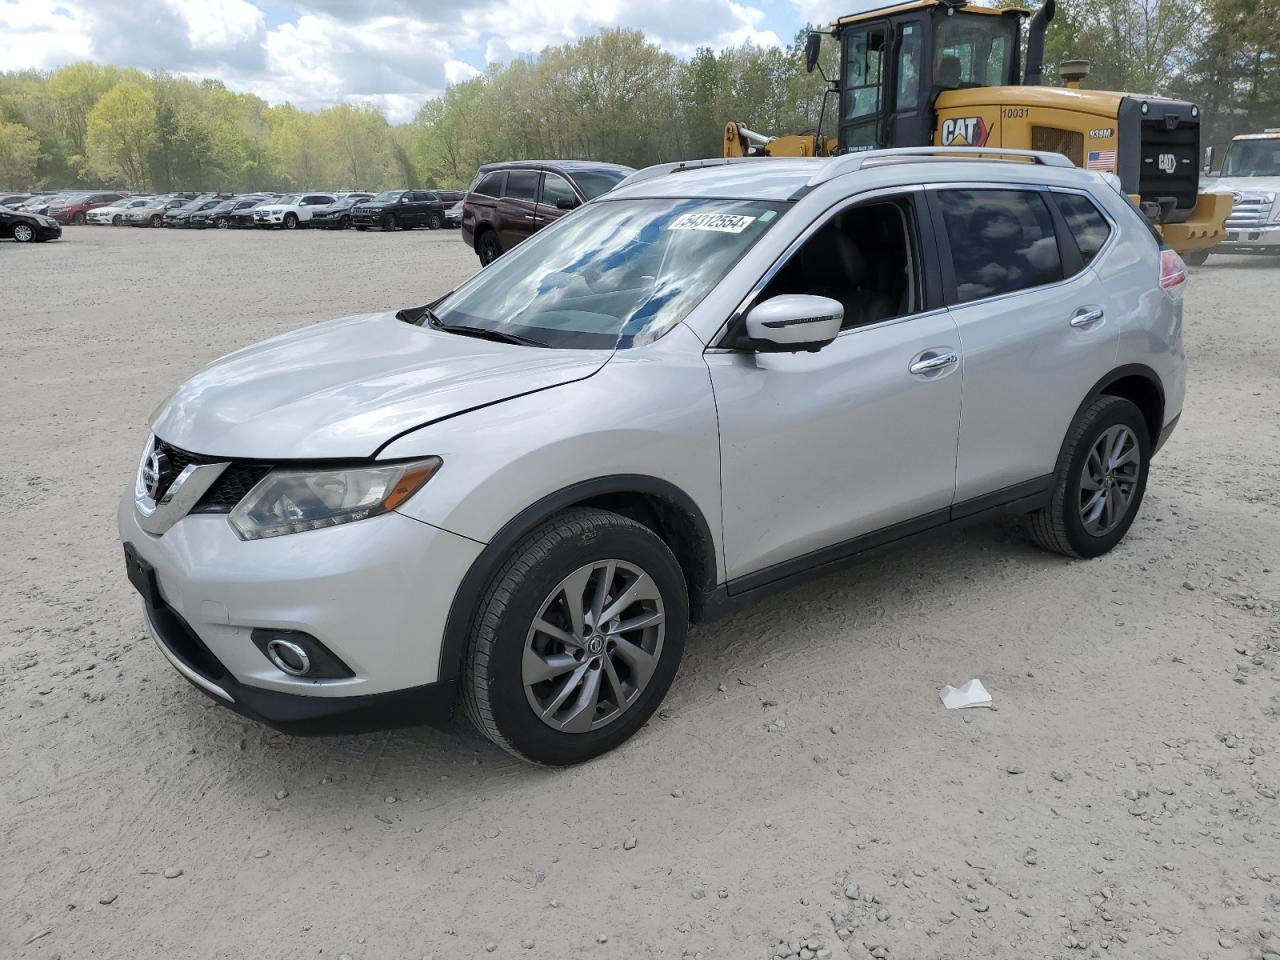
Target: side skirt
[{"x": 745, "y": 590}]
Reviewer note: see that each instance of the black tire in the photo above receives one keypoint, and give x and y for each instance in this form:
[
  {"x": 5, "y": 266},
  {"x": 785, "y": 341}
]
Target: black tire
[
  {"x": 1060, "y": 527},
  {"x": 290, "y": 221},
  {"x": 435, "y": 220},
  {"x": 493, "y": 687},
  {"x": 487, "y": 248},
  {"x": 220, "y": 223},
  {"x": 115, "y": 220},
  {"x": 344, "y": 223},
  {"x": 389, "y": 222},
  {"x": 362, "y": 229},
  {"x": 1197, "y": 258},
  {"x": 156, "y": 220},
  {"x": 78, "y": 219},
  {"x": 24, "y": 232}
]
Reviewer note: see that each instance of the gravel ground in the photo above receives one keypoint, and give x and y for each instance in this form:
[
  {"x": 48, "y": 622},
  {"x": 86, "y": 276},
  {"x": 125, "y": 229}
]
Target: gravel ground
[{"x": 802, "y": 792}]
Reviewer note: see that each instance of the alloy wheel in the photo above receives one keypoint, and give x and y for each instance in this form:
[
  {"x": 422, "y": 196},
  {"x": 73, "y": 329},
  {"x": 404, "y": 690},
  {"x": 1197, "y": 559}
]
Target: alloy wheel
[
  {"x": 593, "y": 646},
  {"x": 23, "y": 233},
  {"x": 1109, "y": 480}
]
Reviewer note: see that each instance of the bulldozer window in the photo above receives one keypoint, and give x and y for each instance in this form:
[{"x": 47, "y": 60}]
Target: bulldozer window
[
  {"x": 865, "y": 258},
  {"x": 863, "y": 51},
  {"x": 909, "y": 68},
  {"x": 973, "y": 50}
]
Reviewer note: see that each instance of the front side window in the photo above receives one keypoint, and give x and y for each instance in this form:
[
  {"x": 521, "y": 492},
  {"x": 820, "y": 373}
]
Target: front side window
[
  {"x": 615, "y": 274},
  {"x": 522, "y": 185},
  {"x": 862, "y": 72},
  {"x": 556, "y": 188},
  {"x": 1002, "y": 241},
  {"x": 973, "y": 50},
  {"x": 1087, "y": 226},
  {"x": 864, "y": 258}
]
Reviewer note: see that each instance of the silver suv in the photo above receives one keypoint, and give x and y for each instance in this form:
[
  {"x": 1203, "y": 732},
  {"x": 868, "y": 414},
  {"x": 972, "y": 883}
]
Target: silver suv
[{"x": 711, "y": 381}]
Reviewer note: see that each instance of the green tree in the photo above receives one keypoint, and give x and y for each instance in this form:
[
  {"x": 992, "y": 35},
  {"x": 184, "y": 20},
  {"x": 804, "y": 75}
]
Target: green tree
[
  {"x": 19, "y": 150},
  {"x": 121, "y": 134}
]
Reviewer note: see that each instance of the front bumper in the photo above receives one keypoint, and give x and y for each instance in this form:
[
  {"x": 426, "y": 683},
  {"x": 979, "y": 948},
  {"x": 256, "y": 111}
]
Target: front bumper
[
  {"x": 376, "y": 593},
  {"x": 47, "y": 231},
  {"x": 1264, "y": 239}
]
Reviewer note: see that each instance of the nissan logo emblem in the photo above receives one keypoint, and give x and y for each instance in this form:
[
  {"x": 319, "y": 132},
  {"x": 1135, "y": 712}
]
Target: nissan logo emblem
[{"x": 153, "y": 473}]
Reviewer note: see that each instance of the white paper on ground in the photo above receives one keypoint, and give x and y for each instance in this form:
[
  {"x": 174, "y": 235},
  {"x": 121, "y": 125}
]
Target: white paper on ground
[{"x": 972, "y": 694}]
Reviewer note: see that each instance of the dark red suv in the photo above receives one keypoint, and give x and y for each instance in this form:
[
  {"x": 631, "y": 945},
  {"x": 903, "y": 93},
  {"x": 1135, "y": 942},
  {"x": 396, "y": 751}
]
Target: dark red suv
[
  {"x": 73, "y": 208},
  {"x": 510, "y": 201}
]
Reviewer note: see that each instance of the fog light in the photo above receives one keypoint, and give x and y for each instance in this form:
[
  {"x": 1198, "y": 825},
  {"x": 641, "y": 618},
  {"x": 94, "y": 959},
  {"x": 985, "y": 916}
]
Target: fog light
[
  {"x": 299, "y": 654},
  {"x": 289, "y": 657}
]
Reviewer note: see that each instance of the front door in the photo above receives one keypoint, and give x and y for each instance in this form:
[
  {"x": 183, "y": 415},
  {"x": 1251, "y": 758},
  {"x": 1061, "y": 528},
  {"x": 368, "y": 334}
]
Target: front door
[
  {"x": 517, "y": 210},
  {"x": 555, "y": 189},
  {"x": 821, "y": 450}
]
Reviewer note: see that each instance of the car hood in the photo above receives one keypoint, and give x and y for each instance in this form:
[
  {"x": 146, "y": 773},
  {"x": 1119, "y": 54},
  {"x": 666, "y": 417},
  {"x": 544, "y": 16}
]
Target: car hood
[
  {"x": 342, "y": 389},
  {"x": 1242, "y": 185},
  {"x": 273, "y": 208}
]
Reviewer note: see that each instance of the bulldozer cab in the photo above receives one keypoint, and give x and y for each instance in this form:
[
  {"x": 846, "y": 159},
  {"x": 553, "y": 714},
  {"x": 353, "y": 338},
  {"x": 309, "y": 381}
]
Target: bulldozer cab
[{"x": 894, "y": 63}]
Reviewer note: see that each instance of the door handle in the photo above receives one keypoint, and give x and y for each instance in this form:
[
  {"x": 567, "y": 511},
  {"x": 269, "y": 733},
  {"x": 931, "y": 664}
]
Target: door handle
[
  {"x": 528, "y": 216},
  {"x": 1087, "y": 316},
  {"x": 933, "y": 362}
]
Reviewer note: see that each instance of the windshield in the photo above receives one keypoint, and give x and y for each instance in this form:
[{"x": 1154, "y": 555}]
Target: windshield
[
  {"x": 292, "y": 198},
  {"x": 388, "y": 196},
  {"x": 1252, "y": 158},
  {"x": 595, "y": 182},
  {"x": 611, "y": 274}
]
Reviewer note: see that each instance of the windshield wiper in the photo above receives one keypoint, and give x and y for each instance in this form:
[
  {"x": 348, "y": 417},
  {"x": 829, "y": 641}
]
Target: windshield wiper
[{"x": 481, "y": 333}]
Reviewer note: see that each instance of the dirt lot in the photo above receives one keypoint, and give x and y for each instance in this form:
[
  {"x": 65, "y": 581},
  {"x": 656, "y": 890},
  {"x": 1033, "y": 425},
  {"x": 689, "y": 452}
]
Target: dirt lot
[{"x": 803, "y": 781}]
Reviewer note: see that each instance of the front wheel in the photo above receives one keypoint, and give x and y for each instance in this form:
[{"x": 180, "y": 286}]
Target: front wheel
[
  {"x": 577, "y": 639},
  {"x": 389, "y": 222},
  {"x": 435, "y": 221},
  {"x": 291, "y": 221},
  {"x": 220, "y": 223},
  {"x": 344, "y": 223},
  {"x": 23, "y": 233},
  {"x": 115, "y": 220},
  {"x": 156, "y": 220},
  {"x": 487, "y": 248},
  {"x": 78, "y": 219},
  {"x": 1099, "y": 483}
]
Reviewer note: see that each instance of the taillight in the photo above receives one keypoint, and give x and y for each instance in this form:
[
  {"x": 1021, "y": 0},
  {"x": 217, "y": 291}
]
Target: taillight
[{"x": 1173, "y": 272}]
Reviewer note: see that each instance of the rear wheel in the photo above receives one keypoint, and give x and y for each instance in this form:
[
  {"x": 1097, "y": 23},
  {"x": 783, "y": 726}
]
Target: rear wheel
[
  {"x": 344, "y": 223},
  {"x": 23, "y": 232},
  {"x": 487, "y": 248},
  {"x": 577, "y": 639},
  {"x": 1100, "y": 481},
  {"x": 389, "y": 222}
]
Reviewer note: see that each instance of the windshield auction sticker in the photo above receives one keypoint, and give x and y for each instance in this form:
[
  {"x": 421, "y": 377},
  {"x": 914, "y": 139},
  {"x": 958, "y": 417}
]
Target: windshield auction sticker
[{"x": 719, "y": 222}]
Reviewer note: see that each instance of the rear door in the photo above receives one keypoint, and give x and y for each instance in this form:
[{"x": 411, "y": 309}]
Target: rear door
[
  {"x": 517, "y": 210},
  {"x": 1034, "y": 331},
  {"x": 555, "y": 189}
]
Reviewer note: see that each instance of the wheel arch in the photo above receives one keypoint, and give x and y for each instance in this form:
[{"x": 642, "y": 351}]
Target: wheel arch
[
  {"x": 657, "y": 504},
  {"x": 1141, "y": 386}
]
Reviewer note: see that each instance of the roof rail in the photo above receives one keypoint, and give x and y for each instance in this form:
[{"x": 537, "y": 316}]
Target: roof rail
[
  {"x": 680, "y": 166},
  {"x": 853, "y": 162}
]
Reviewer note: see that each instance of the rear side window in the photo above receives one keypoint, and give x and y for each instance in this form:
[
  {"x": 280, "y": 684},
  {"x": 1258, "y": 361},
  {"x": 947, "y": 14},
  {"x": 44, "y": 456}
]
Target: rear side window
[
  {"x": 491, "y": 184},
  {"x": 1002, "y": 241},
  {"x": 522, "y": 185},
  {"x": 1085, "y": 223}
]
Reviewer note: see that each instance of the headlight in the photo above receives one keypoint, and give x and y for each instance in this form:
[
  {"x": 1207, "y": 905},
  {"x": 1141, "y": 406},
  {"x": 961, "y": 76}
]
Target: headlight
[{"x": 293, "y": 501}]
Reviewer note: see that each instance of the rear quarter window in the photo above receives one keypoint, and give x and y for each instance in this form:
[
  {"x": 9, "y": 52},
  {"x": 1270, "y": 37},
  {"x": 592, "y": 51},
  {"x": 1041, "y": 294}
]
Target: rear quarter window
[
  {"x": 490, "y": 185},
  {"x": 1086, "y": 225}
]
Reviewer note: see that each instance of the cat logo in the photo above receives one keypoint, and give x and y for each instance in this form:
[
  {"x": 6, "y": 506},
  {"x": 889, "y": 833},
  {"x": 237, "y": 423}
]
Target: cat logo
[
  {"x": 1168, "y": 163},
  {"x": 965, "y": 132}
]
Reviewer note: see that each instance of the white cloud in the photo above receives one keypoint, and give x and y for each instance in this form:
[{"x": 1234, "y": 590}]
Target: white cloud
[{"x": 391, "y": 53}]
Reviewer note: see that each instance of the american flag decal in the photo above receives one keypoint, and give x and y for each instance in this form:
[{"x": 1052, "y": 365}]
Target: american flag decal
[{"x": 1101, "y": 160}]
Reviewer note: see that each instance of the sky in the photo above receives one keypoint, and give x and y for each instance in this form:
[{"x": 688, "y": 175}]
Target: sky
[{"x": 392, "y": 53}]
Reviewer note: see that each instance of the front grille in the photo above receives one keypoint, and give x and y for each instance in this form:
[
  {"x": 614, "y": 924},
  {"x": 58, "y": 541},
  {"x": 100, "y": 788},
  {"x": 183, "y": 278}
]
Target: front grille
[
  {"x": 230, "y": 487},
  {"x": 1249, "y": 213}
]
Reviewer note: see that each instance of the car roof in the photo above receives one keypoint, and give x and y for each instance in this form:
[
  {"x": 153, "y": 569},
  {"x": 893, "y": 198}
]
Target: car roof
[
  {"x": 569, "y": 166},
  {"x": 766, "y": 178}
]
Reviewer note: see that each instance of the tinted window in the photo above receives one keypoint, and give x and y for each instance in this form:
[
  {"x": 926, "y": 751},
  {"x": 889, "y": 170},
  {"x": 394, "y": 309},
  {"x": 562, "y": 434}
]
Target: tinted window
[
  {"x": 1001, "y": 241},
  {"x": 491, "y": 185},
  {"x": 593, "y": 183},
  {"x": 556, "y": 188},
  {"x": 1088, "y": 226},
  {"x": 522, "y": 185}
]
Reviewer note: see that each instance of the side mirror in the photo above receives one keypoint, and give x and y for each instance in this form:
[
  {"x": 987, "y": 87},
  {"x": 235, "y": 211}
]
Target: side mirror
[
  {"x": 793, "y": 323},
  {"x": 812, "y": 48},
  {"x": 567, "y": 203}
]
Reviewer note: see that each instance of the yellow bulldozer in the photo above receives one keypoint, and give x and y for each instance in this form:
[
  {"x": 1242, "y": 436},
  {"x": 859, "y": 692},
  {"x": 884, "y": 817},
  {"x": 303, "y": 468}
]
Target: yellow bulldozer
[{"x": 950, "y": 73}]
